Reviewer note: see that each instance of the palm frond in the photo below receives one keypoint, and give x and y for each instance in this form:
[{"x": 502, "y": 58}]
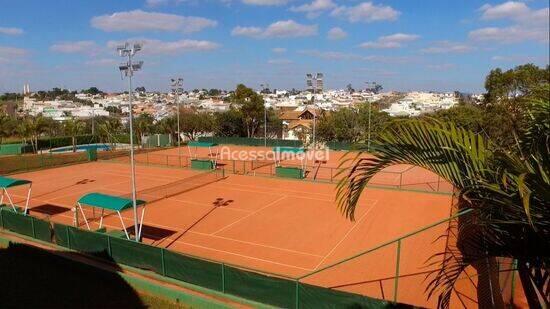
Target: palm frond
[{"x": 455, "y": 154}]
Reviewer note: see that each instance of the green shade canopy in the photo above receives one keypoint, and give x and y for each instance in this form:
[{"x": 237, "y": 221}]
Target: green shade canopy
[
  {"x": 201, "y": 144},
  {"x": 6, "y": 182},
  {"x": 288, "y": 150},
  {"x": 108, "y": 201}
]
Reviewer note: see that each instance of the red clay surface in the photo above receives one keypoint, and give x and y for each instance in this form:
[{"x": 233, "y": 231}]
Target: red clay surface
[{"x": 287, "y": 227}]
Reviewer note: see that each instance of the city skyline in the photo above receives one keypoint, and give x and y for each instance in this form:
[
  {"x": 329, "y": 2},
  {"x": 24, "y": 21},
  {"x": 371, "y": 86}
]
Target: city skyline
[{"x": 403, "y": 45}]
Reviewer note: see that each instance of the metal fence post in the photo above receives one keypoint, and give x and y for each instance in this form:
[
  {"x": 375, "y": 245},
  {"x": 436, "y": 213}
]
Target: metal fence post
[
  {"x": 32, "y": 227},
  {"x": 163, "y": 263},
  {"x": 109, "y": 250},
  {"x": 297, "y": 295},
  {"x": 396, "y": 281},
  {"x": 223, "y": 277},
  {"x": 68, "y": 238}
]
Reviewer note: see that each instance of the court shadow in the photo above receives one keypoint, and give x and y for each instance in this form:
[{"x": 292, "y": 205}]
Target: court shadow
[
  {"x": 152, "y": 232},
  {"x": 218, "y": 202},
  {"x": 48, "y": 209},
  {"x": 37, "y": 278}
]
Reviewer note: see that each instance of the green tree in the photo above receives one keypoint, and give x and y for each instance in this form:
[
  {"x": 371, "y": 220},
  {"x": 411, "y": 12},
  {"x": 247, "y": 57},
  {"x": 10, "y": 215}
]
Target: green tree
[
  {"x": 467, "y": 116},
  {"x": 92, "y": 91},
  {"x": 107, "y": 128},
  {"x": 143, "y": 125},
  {"x": 508, "y": 195},
  {"x": 194, "y": 123},
  {"x": 252, "y": 108},
  {"x": 229, "y": 123},
  {"x": 74, "y": 127},
  {"x": 30, "y": 128},
  {"x": 7, "y": 126},
  {"x": 508, "y": 97}
]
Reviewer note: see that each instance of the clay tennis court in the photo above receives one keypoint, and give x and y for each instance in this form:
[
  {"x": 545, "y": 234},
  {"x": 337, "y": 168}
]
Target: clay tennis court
[
  {"x": 287, "y": 227},
  {"x": 240, "y": 159}
]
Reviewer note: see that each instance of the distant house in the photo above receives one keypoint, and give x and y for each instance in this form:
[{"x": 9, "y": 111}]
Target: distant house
[{"x": 298, "y": 123}]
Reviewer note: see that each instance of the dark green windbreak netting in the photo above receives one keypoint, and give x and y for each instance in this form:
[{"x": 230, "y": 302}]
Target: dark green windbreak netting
[
  {"x": 136, "y": 254},
  {"x": 42, "y": 230},
  {"x": 88, "y": 242},
  {"x": 261, "y": 288},
  {"x": 195, "y": 271},
  {"x": 16, "y": 222},
  {"x": 318, "y": 297},
  {"x": 61, "y": 234}
]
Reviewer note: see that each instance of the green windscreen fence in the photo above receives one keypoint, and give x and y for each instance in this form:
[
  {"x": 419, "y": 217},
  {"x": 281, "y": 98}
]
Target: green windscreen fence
[
  {"x": 88, "y": 242},
  {"x": 263, "y": 288},
  {"x": 269, "y": 290},
  {"x": 136, "y": 254},
  {"x": 249, "y": 141},
  {"x": 318, "y": 297},
  {"x": 192, "y": 270},
  {"x": 25, "y": 225}
]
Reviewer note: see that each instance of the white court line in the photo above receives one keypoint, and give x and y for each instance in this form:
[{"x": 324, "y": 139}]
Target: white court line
[
  {"x": 346, "y": 235},
  {"x": 217, "y": 250},
  {"x": 202, "y": 234},
  {"x": 250, "y": 214}
]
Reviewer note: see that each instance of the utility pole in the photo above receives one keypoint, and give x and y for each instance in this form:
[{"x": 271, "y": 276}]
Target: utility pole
[
  {"x": 177, "y": 90},
  {"x": 128, "y": 70}
]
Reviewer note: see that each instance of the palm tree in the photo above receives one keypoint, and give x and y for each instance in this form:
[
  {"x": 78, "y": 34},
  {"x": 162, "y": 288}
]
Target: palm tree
[
  {"x": 74, "y": 127},
  {"x": 143, "y": 125},
  {"x": 31, "y": 128},
  {"x": 107, "y": 130},
  {"x": 507, "y": 191}
]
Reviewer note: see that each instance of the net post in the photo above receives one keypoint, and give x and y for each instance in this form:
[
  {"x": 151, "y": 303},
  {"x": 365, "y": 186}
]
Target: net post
[
  {"x": 438, "y": 182},
  {"x": 401, "y": 181},
  {"x": 162, "y": 262},
  {"x": 331, "y": 174},
  {"x": 297, "y": 295},
  {"x": 396, "y": 281},
  {"x": 147, "y": 157},
  {"x": 223, "y": 277}
]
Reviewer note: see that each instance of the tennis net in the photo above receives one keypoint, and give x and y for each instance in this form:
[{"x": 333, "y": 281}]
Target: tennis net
[{"x": 154, "y": 194}]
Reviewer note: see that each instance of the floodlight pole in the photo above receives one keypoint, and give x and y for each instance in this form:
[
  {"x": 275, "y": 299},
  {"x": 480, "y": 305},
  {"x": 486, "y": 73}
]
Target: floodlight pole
[
  {"x": 128, "y": 69},
  {"x": 177, "y": 86},
  {"x": 368, "y": 135},
  {"x": 265, "y": 126}
]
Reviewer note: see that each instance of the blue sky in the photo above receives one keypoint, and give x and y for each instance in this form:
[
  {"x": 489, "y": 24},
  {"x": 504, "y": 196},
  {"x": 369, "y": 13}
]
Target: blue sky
[{"x": 439, "y": 45}]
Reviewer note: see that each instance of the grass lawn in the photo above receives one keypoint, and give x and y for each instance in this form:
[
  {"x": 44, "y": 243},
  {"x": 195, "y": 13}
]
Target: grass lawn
[{"x": 35, "y": 278}]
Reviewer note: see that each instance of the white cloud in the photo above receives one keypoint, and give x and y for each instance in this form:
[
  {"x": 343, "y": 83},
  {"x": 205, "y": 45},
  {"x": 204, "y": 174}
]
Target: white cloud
[
  {"x": 265, "y": 2},
  {"x": 77, "y": 47},
  {"x": 138, "y": 20},
  {"x": 279, "y": 29},
  {"x": 330, "y": 55},
  {"x": 442, "y": 47},
  {"x": 315, "y": 8},
  {"x": 157, "y": 47},
  {"x": 11, "y": 31},
  {"x": 391, "y": 41},
  {"x": 278, "y": 50},
  {"x": 527, "y": 24},
  {"x": 154, "y": 3},
  {"x": 441, "y": 67},
  {"x": 336, "y": 33},
  {"x": 279, "y": 61},
  {"x": 512, "y": 34},
  {"x": 366, "y": 12},
  {"x": 9, "y": 52},
  {"x": 103, "y": 62}
]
